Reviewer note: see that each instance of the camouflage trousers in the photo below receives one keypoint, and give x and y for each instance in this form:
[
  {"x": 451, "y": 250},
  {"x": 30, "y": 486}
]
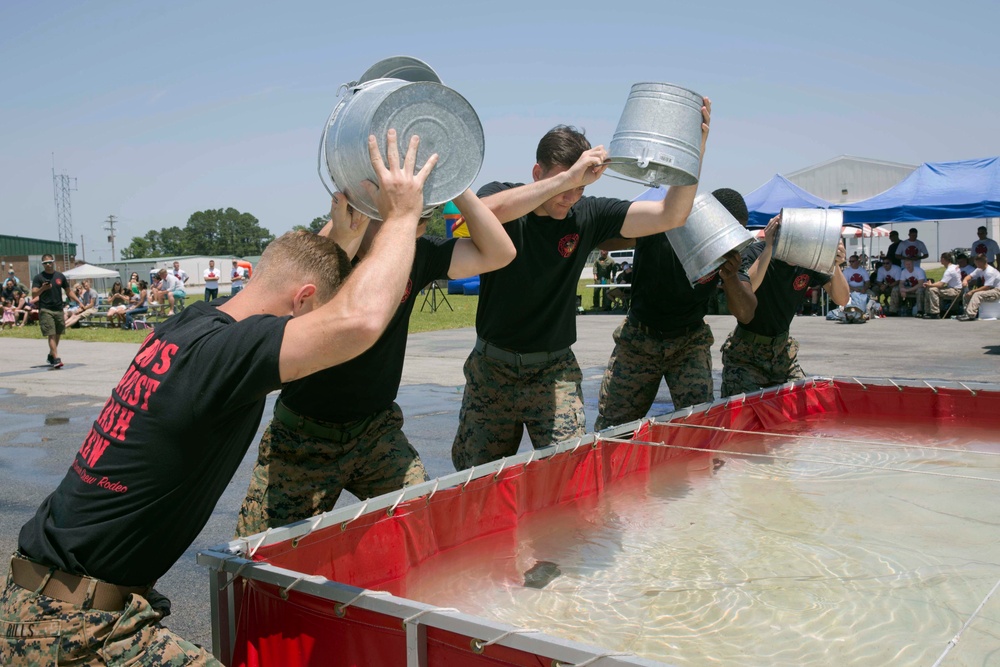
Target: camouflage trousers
[
  {"x": 36, "y": 631},
  {"x": 298, "y": 475},
  {"x": 501, "y": 399},
  {"x": 749, "y": 365},
  {"x": 638, "y": 362},
  {"x": 896, "y": 299}
]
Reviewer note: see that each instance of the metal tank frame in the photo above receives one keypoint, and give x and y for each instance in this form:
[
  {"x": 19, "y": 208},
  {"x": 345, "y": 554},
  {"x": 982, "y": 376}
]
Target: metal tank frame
[{"x": 228, "y": 562}]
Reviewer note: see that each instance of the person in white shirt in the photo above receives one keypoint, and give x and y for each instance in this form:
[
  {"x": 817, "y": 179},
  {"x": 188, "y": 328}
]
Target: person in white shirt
[
  {"x": 212, "y": 276},
  {"x": 911, "y": 286},
  {"x": 857, "y": 276},
  {"x": 237, "y": 277},
  {"x": 949, "y": 287},
  {"x": 171, "y": 289},
  {"x": 985, "y": 246},
  {"x": 963, "y": 265},
  {"x": 990, "y": 291},
  {"x": 885, "y": 286},
  {"x": 180, "y": 273},
  {"x": 912, "y": 249}
]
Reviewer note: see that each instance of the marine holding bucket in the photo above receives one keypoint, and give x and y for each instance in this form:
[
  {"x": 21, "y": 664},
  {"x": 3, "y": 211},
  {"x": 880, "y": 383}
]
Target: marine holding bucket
[
  {"x": 658, "y": 139},
  {"x": 404, "y": 94},
  {"x": 809, "y": 237},
  {"x": 710, "y": 233}
]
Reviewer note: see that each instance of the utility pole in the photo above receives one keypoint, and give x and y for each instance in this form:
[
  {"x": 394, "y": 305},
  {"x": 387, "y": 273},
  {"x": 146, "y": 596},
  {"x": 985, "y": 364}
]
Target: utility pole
[
  {"x": 110, "y": 227},
  {"x": 64, "y": 211}
]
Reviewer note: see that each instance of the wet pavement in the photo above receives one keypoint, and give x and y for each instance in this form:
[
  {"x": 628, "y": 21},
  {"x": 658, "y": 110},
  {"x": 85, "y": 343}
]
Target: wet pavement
[{"x": 44, "y": 414}]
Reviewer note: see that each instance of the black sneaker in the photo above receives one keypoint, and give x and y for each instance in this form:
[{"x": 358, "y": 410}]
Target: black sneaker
[
  {"x": 49, "y": 358},
  {"x": 963, "y": 318},
  {"x": 57, "y": 363}
]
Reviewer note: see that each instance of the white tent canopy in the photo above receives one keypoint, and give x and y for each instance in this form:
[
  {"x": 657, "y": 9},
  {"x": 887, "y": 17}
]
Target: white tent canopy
[{"x": 89, "y": 271}]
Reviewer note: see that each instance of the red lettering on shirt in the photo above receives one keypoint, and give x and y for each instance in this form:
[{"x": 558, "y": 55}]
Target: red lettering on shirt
[
  {"x": 567, "y": 244},
  {"x": 87, "y": 479},
  {"x": 147, "y": 353},
  {"x": 406, "y": 292},
  {"x": 122, "y": 421},
  {"x": 167, "y": 353},
  {"x": 93, "y": 448},
  {"x": 801, "y": 282}
]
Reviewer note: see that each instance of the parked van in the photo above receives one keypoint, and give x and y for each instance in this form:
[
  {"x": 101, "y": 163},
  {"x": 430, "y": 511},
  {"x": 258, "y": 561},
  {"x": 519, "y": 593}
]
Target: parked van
[{"x": 621, "y": 256}]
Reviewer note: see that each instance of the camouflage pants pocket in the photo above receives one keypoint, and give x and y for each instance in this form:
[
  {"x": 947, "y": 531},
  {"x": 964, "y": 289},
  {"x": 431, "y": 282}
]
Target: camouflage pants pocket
[
  {"x": 30, "y": 643},
  {"x": 138, "y": 639}
]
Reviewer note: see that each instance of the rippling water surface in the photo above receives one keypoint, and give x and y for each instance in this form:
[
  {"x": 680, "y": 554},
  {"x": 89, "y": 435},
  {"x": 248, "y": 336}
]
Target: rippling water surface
[{"x": 790, "y": 558}]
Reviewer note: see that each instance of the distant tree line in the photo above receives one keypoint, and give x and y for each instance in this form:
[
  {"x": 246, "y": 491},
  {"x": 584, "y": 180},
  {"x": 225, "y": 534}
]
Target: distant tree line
[
  {"x": 225, "y": 232},
  {"x": 211, "y": 232}
]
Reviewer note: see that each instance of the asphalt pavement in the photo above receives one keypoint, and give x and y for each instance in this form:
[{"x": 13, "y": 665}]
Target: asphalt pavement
[{"x": 44, "y": 414}]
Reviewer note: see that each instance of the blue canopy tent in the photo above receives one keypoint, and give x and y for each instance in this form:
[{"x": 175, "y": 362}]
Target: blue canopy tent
[
  {"x": 767, "y": 201},
  {"x": 934, "y": 191},
  {"x": 763, "y": 203}
]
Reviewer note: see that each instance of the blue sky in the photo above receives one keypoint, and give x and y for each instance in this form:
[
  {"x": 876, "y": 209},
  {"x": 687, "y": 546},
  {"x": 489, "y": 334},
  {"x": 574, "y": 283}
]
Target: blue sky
[{"x": 163, "y": 109}]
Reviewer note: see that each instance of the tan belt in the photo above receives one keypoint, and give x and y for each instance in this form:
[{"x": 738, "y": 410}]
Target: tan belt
[{"x": 71, "y": 588}]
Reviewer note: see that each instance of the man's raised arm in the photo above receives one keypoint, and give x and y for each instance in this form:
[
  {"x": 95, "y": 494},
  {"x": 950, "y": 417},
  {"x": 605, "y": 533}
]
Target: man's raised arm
[{"x": 488, "y": 247}]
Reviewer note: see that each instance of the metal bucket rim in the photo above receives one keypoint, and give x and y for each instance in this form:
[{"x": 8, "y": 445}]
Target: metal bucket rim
[{"x": 374, "y": 72}]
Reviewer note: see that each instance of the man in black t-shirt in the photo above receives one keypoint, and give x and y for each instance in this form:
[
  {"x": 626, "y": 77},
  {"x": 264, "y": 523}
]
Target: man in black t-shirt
[
  {"x": 761, "y": 353},
  {"x": 49, "y": 286},
  {"x": 166, "y": 444},
  {"x": 522, "y": 372},
  {"x": 341, "y": 428},
  {"x": 893, "y": 246},
  {"x": 664, "y": 334}
]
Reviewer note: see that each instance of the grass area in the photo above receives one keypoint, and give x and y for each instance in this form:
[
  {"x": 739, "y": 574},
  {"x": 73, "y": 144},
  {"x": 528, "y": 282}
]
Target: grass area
[
  {"x": 935, "y": 274},
  {"x": 463, "y": 315}
]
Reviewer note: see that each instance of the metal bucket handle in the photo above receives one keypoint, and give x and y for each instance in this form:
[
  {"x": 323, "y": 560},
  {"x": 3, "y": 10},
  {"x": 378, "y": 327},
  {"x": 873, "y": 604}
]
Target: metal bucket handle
[{"x": 321, "y": 158}]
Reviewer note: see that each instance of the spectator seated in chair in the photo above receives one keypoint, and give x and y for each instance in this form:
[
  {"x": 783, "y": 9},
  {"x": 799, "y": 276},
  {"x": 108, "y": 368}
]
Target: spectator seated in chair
[
  {"x": 911, "y": 289},
  {"x": 171, "y": 290},
  {"x": 990, "y": 291},
  {"x": 137, "y": 306},
  {"x": 949, "y": 287},
  {"x": 622, "y": 295},
  {"x": 118, "y": 300},
  {"x": 885, "y": 284}
]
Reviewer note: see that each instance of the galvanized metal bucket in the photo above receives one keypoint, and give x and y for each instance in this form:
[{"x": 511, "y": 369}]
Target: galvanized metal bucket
[
  {"x": 710, "y": 233},
  {"x": 406, "y": 68},
  {"x": 444, "y": 120},
  {"x": 658, "y": 139},
  {"x": 808, "y": 237}
]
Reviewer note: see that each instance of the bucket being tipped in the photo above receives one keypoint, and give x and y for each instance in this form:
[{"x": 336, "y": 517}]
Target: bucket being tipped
[
  {"x": 658, "y": 139},
  {"x": 809, "y": 237},
  {"x": 708, "y": 235},
  {"x": 444, "y": 120}
]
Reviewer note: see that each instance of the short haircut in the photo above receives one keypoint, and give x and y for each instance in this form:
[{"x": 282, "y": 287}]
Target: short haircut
[
  {"x": 913, "y": 230},
  {"x": 734, "y": 203},
  {"x": 981, "y": 257},
  {"x": 854, "y": 257},
  {"x": 561, "y": 146},
  {"x": 960, "y": 256},
  {"x": 947, "y": 256},
  {"x": 982, "y": 227},
  {"x": 161, "y": 272},
  {"x": 894, "y": 233},
  {"x": 312, "y": 258},
  {"x": 47, "y": 256}
]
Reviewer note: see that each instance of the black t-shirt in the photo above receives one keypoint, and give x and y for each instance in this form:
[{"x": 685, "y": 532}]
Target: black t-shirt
[
  {"x": 162, "y": 450},
  {"x": 662, "y": 295},
  {"x": 891, "y": 254},
  {"x": 369, "y": 383},
  {"x": 780, "y": 294},
  {"x": 529, "y": 305},
  {"x": 54, "y": 297}
]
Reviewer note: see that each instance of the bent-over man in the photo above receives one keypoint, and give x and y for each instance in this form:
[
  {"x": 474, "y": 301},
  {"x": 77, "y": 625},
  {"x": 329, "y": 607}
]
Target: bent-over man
[
  {"x": 522, "y": 372},
  {"x": 165, "y": 445},
  {"x": 664, "y": 334},
  {"x": 762, "y": 352},
  {"x": 341, "y": 428}
]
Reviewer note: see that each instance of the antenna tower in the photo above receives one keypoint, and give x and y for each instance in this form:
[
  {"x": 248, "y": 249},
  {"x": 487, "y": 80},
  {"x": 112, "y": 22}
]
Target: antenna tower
[{"x": 61, "y": 186}]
